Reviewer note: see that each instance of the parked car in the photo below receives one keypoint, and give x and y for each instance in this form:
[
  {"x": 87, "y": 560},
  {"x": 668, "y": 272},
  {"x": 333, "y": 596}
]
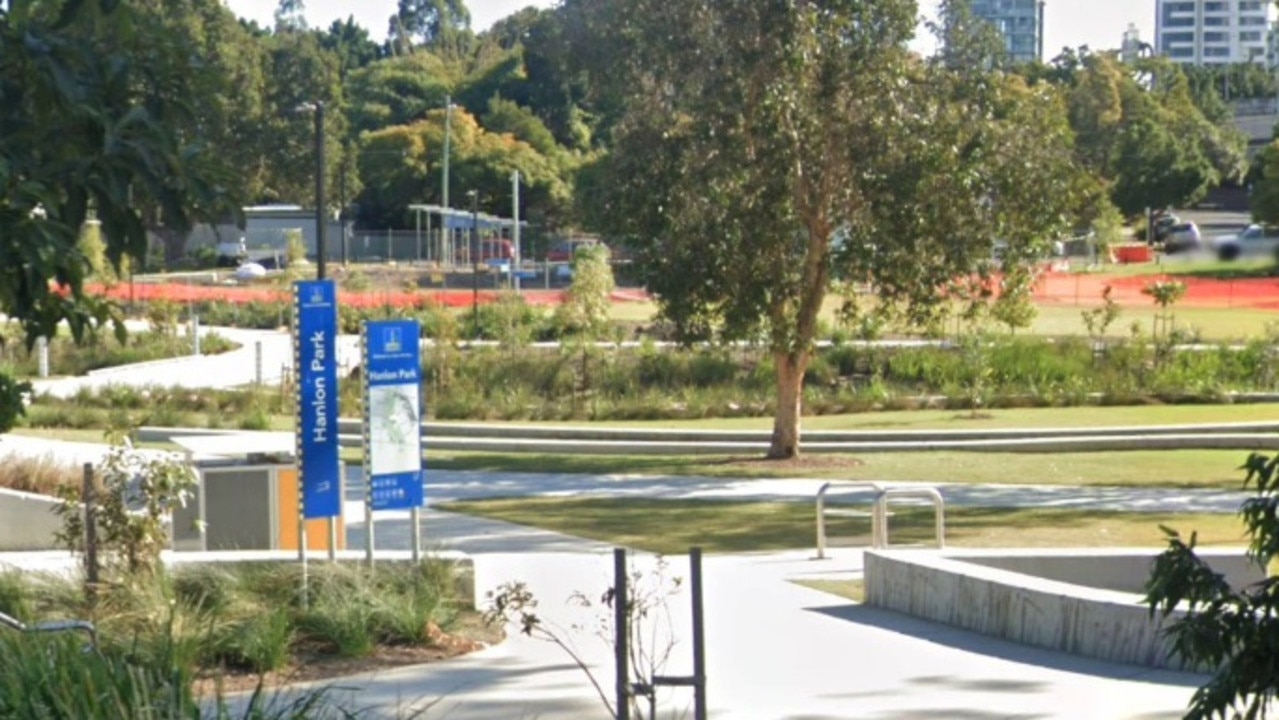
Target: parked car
[
  {"x": 564, "y": 250},
  {"x": 492, "y": 249},
  {"x": 1161, "y": 226},
  {"x": 1182, "y": 236},
  {"x": 1254, "y": 240}
]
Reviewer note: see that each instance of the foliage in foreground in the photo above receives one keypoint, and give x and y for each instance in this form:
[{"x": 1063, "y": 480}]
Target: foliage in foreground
[
  {"x": 1232, "y": 632},
  {"x": 202, "y": 620},
  {"x": 57, "y": 677}
]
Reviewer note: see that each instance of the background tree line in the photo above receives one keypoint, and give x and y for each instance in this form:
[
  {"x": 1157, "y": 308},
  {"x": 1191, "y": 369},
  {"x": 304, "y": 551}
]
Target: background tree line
[
  {"x": 755, "y": 155},
  {"x": 525, "y": 98}
]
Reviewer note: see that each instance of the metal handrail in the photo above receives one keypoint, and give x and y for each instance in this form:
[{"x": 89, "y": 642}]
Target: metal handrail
[
  {"x": 821, "y": 510},
  {"x": 928, "y": 493}
]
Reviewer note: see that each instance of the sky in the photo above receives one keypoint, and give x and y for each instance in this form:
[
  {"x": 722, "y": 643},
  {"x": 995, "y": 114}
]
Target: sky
[{"x": 1099, "y": 24}]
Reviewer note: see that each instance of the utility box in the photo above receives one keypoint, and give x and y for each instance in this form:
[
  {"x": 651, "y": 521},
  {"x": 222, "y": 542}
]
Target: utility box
[{"x": 246, "y": 502}]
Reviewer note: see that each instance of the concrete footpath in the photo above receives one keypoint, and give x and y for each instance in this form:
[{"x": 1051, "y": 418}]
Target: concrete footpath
[{"x": 775, "y": 649}]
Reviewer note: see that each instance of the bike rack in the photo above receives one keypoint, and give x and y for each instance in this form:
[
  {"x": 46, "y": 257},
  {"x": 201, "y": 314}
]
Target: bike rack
[
  {"x": 822, "y": 511},
  {"x": 52, "y": 626},
  {"x": 927, "y": 493},
  {"x": 879, "y": 511}
]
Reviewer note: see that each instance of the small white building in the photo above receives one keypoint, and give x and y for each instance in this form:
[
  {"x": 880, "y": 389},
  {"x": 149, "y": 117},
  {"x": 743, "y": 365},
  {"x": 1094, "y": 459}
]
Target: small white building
[{"x": 266, "y": 228}]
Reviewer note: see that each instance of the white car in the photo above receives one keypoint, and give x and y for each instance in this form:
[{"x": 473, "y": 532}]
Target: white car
[{"x": 1255, "y": 240}]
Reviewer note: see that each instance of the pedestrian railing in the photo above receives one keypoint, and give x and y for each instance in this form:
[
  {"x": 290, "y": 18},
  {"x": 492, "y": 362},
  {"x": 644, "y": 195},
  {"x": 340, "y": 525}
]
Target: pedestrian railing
[{"x": 879, "y": 510}]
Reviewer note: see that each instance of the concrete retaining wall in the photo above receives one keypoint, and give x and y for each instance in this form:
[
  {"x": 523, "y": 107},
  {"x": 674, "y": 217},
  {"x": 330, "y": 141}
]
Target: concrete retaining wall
[
  {"x": 1121, "y": 570},
  {"x": 1093, "y": 622},
  {"x": 27, "y": 521}
]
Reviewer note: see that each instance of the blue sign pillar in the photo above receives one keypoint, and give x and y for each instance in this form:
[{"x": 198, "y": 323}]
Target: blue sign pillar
[
  {"x": 393, "y": 414},
  {"x": 314, "y": 355}
]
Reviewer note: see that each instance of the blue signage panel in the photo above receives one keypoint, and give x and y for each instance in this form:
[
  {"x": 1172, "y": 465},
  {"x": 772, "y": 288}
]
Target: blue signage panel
[
  {"x": 393, "y": 414},
  {"x": 314, "y": 342}
]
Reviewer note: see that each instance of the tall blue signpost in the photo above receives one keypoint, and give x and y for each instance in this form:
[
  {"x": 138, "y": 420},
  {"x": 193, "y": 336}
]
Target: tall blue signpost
[
  {"x": 393, "y": 419},
  {"x": 314, "y": 342}
]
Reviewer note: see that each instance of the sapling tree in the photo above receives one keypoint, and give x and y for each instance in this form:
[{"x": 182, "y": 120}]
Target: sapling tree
[
  {"x": 1165, "y": 293},
  {"x": 136, "y": 494},
  {"x": 1232, "y": 633},
  {"x": 583, "y": 316}
]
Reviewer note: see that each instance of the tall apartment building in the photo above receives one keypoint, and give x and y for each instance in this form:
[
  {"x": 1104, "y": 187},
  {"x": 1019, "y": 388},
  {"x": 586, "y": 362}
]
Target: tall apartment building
[
  {"x": 1203, "y": 32},
  {"x": 1020, "y": 22}
]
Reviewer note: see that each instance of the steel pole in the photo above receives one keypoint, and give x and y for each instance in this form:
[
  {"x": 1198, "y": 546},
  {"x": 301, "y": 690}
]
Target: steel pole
[
  {"x": 321, "y": 225},
  {"x": 475, "y": 262},
  {"x": 448, "y": 133},
  {"x": 515, "y": 229}
]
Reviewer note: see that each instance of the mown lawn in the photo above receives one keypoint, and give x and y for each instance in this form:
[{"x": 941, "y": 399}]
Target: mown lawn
[
  {"x": 673, "y": 526},
  {"x": 1175, "y": 469}
]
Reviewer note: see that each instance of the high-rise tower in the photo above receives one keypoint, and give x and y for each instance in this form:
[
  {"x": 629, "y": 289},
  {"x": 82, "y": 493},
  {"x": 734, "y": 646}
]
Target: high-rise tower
[
  {"x": 1019, "y": 22},
  {"x": 1206, "y": 32}
]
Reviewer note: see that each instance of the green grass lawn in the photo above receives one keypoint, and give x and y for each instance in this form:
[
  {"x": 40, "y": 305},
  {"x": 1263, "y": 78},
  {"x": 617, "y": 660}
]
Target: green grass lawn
[
  {"x": 1172, "y": 469},
  {"x": 673, "y": 526},
  {"x": 854, "y": 590},
  {"x": 1211, "y": 324},
  {"x": 1082, "y": 416}
]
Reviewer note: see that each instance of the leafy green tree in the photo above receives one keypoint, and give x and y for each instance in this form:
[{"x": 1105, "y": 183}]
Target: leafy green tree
[
  {"x": 352, "y": 46},
  {"x": 444, "y": 24},
  {"x": 1229, "y": 632},
  {"x": 290, "y": 16},
  {"x": 504, "y": 116},
  {"x": 1141, "y": 130},
  {"x": 768, "y": 146},
  {"x": 1265, "y": 192},
  {"x": 85, "y": 128},
  {"x": 1096, "y": 111},
  {"x": 585, "y": 310},
  {"x": 299, "y": 73},
  {"x": 401, "y": 165},
  {"x": 1156, "y": 168},
  {"x": 80, "y": 135},
  {"x": 397, "y": 90}
]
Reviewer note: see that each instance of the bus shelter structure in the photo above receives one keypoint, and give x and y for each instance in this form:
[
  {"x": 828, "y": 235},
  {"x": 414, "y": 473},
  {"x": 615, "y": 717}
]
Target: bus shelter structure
[{"x": 452, "y": 237}]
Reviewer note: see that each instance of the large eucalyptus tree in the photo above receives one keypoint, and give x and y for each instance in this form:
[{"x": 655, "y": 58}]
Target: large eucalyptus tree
[{"x": 768, "y": 148}]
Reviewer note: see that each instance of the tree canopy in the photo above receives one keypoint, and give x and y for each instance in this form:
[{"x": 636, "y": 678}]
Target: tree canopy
[
  {"x": 767, "y": 147},
  {"x": 92, "y": 123}
]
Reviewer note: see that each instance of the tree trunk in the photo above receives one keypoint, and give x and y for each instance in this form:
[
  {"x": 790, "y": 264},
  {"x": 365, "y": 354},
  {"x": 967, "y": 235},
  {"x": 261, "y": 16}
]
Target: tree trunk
[{"x": 790, "y": 367}]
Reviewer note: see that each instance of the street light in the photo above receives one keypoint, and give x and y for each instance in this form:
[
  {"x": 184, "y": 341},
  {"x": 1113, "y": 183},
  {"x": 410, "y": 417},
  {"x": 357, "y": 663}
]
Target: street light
[
  {"x": 444, "y": 201},
  {"x": 475, "y": 261},
  {"x": 448, "y": 134},
  {"x": 321, "y": 225}
]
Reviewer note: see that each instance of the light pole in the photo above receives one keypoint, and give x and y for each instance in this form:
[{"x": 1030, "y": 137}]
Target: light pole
[
  {"x": 515, "y": 229},
  {"x": 321, "y": 226},
  {"x": 475, "y": 261},
  {"x": 448, "y": 133},
  {"x": 445, "y": 230}
]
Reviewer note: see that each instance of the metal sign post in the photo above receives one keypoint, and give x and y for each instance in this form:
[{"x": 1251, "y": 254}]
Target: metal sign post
[
  {"x": 315, "y": 358},
  {"x": 393, "y": 419}
]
